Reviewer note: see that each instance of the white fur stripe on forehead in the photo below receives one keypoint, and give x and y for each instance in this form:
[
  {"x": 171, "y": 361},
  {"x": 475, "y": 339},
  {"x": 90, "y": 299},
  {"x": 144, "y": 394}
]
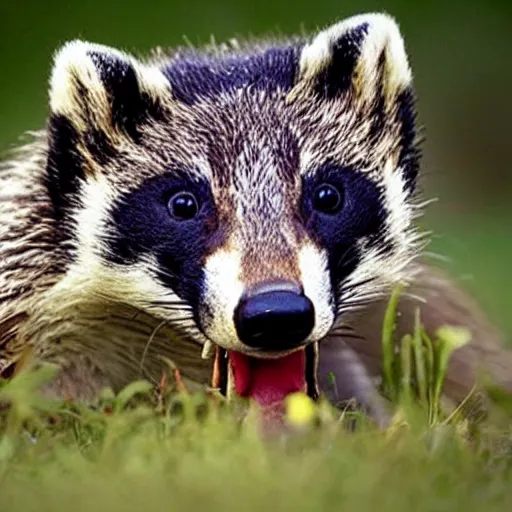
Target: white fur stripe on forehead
[
  {"x": 382, "y": 38},
  {"x": 75, "y": 70}
]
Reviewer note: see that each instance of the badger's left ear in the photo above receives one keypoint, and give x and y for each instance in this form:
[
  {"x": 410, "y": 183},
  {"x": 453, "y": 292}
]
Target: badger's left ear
[
  {"x": 363, "y": 53},
  {"x": 100, "y": 100},
  {"x": 97, "y": 88}
]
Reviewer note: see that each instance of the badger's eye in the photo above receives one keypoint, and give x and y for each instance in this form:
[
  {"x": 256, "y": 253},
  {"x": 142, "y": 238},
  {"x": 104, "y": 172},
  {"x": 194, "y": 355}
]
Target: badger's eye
[
  {"x": 327, "y": 198},
  {"x": 183, "y": 206}
]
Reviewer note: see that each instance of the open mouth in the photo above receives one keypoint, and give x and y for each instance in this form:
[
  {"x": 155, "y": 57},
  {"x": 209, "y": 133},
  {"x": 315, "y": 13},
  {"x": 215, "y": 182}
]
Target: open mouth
[
  {"x": 267, "y": 381},
  {"x": 273, "y": 321}
]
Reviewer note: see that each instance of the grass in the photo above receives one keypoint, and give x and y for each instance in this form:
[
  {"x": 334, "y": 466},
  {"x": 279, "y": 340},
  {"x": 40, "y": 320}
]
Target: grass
[{"x": 161, "y": 450}]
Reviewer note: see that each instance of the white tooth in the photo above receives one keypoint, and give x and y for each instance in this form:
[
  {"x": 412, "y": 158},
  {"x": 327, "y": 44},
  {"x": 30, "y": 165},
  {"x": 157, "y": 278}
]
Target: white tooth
[
  {"x": 208, "y": 349},
  {"x": 230, "y": 387}
]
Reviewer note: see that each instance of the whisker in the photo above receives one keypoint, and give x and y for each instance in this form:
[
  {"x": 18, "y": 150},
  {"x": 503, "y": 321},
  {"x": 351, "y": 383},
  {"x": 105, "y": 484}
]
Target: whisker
[
  {"x": 346, "y": 258},
  {"x": 437, "y": 256},
  {"x": 146, "y": 347},
  {"x": 357, "y": 284}
]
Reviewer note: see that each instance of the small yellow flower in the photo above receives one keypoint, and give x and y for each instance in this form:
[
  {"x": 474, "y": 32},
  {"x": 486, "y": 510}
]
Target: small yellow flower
[{"x": 300, "y": 409}]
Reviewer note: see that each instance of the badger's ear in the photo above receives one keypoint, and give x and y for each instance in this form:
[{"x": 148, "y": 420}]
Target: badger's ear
[
  {"x": 99, "y": 100},
  {"x": 364, "y": 54},
  {"x": 360, "y": 65},
  {"x": 95, "y": 87}
]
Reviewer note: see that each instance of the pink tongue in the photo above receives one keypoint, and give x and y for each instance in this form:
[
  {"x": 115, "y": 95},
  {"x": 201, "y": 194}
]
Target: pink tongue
[{"x": 268, "y": 381}]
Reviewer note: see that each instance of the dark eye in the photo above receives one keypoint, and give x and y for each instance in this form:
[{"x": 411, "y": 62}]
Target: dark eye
[
  {"x": 183, "y": 206},
  {"x": 327, "y": 198}
]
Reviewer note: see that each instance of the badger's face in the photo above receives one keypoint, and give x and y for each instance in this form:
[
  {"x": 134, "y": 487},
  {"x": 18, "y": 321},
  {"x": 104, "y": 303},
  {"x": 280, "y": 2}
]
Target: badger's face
[{"x": 253, "y": 196}]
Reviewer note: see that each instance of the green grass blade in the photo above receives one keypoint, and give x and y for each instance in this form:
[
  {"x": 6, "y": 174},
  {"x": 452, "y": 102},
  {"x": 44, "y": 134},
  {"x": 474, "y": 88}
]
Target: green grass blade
[
  {"x": 430, "y": 370},
  {"x": 419, "y": 360},
  {"x": 406, "y": 369},
  {"x": 388, "y": 344}
]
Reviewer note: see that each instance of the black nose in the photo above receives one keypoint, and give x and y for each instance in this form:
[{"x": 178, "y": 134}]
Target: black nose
[{"x": 274, "y": 319}]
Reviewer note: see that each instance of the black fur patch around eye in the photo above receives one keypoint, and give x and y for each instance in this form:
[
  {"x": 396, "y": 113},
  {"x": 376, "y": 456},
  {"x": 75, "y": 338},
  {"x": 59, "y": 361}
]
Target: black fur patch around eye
[
  {"x": 64, "y": 171},
  {"x": 140, "y": 225},
  {"x": 338, "y": 75},
  {"x": 130, "y": 107},
  {"x": 194, "y": 76},
  {"x": 362, "y": 215}
]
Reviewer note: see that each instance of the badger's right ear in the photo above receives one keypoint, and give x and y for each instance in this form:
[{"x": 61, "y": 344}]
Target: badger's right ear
[
  {"x": 360, "y": 66},
  {"x": 100, "y": 89},
  {"x": 364, "y": 54}
]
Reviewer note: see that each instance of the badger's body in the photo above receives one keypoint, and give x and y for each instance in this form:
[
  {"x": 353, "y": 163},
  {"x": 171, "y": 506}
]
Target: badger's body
[{"x": 256, "y": 198}]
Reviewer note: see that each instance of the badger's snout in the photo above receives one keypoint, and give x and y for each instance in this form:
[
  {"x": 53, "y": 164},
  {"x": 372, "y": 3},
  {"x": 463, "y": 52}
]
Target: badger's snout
[{"x": 274, "y": 317}]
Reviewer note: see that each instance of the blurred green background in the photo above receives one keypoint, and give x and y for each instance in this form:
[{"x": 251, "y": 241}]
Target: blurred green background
[{"x": 460, "y": 52}]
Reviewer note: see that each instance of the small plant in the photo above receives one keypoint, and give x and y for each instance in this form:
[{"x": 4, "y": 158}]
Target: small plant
[
  {"x": 175, "y": 450},
  {"x": 414, "y": 368}
]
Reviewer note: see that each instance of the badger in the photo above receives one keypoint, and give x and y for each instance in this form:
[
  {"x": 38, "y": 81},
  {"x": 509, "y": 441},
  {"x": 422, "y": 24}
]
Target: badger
[{"x": 243, "y": 210}]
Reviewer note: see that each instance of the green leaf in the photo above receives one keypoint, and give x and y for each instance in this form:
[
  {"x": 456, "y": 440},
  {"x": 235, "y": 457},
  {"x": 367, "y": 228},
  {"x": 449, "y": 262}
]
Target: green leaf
[
  {"x": 453, "y": 337},
  {"x": 449, "y": 339}
]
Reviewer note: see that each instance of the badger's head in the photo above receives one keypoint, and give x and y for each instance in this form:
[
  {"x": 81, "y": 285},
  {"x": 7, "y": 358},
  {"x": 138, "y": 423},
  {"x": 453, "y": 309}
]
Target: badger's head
[{"x": 251, "y": 196}]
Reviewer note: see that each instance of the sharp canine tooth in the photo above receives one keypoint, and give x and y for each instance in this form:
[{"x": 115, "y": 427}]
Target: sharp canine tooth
[
  {"x": 220, "y": 370},
  {"x": 208, "y": 348},
  {"x": 230, "y": 386}
]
